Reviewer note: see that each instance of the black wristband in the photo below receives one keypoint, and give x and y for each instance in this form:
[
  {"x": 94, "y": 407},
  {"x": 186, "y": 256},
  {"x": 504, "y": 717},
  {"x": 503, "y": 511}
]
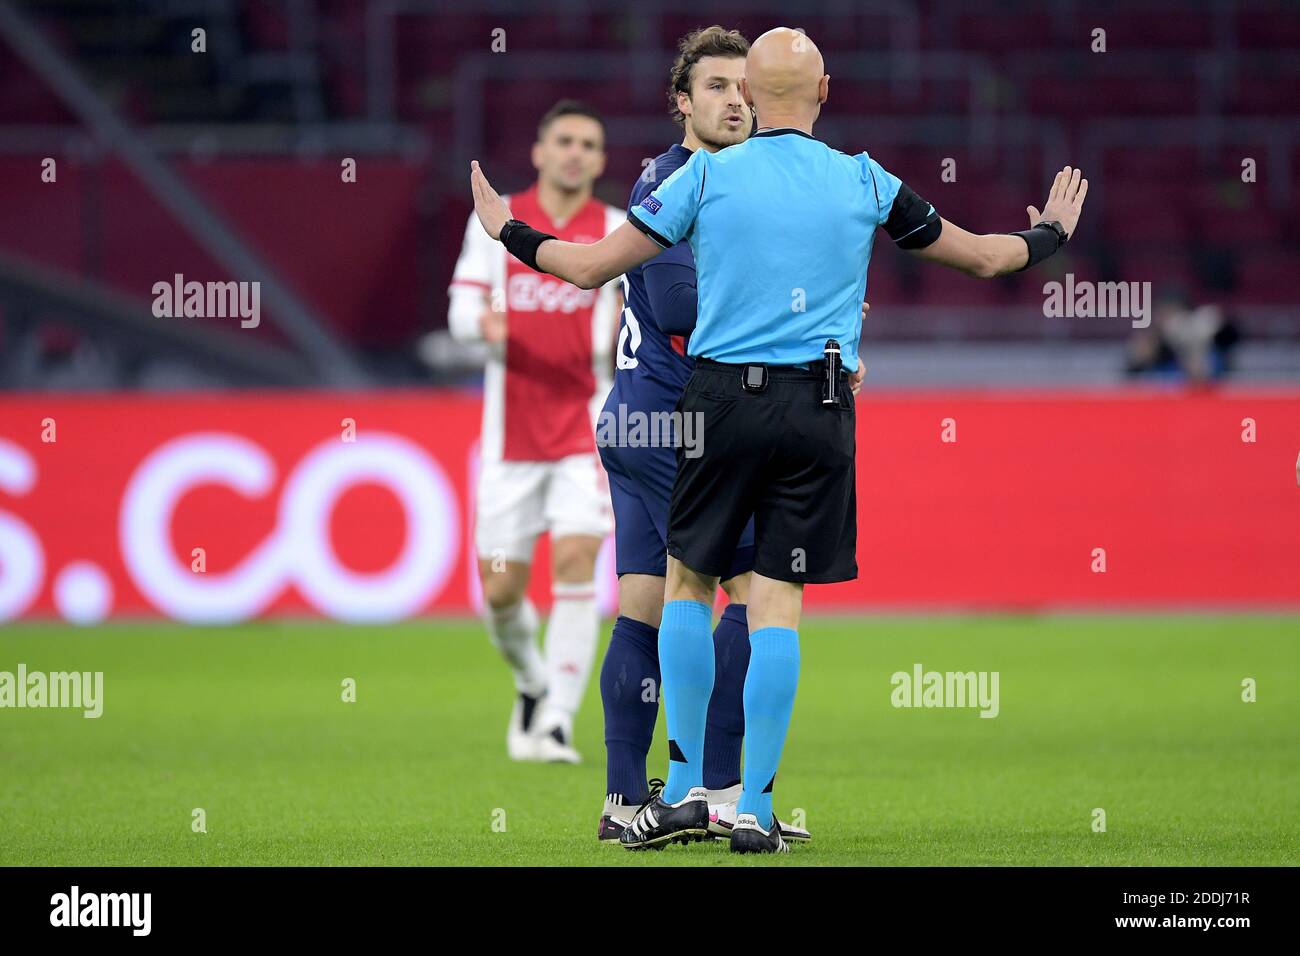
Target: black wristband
[
  {"x": 522, "y": 240},
  {"x": 1043, "y": 242}
]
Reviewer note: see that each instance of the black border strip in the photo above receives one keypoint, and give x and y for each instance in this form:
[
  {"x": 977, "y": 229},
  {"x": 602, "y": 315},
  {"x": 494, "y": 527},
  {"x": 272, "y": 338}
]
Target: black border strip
[{"x": 636, "y": 221}]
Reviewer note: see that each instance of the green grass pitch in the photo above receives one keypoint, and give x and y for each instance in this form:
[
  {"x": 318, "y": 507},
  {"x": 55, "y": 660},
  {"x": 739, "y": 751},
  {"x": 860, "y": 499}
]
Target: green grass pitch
[{"x": 1141, "y": 716}]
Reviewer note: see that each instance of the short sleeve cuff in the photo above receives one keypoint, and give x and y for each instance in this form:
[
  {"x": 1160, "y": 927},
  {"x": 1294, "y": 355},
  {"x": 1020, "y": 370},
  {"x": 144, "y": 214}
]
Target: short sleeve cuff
[
  {"x": 913, "y": 222},
  {"x": 634, "y": 218}
]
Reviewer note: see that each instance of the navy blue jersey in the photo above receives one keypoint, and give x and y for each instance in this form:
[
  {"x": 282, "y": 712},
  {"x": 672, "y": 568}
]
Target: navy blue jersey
[{"x": 652, "y": 366}]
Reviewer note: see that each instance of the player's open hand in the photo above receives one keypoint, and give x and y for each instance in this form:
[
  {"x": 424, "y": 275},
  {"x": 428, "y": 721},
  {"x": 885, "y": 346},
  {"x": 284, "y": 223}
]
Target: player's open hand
[
  {"x": 1064, "y": 201},
  {"x": 492, "y": 212}
]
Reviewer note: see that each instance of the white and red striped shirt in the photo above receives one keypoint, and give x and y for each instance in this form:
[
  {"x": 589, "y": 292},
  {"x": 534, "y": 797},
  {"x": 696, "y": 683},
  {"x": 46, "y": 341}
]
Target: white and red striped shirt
[{"x": 543, "y": 390}]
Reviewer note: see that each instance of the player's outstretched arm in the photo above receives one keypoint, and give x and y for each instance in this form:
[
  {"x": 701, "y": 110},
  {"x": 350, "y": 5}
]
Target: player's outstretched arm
[
  {"x": 585, "y": 265},
  {"x": 997, "y": 254}
]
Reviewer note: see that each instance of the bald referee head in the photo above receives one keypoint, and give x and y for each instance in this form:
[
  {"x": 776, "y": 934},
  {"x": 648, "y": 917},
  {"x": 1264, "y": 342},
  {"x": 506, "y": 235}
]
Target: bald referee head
[
  {"x": 781, "y": 227},
  {"x": 785, "y": 77}
]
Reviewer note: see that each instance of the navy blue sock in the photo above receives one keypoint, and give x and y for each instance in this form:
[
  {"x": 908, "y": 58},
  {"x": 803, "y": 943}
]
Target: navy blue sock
[
  {"x": 631, "y": 706},
  {"x": 726, "y": 727}
]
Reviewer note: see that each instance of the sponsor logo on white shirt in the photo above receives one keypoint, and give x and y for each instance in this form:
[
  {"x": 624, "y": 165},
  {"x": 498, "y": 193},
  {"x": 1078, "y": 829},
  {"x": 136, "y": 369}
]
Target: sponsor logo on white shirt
[{"x": 532, "y": 292}]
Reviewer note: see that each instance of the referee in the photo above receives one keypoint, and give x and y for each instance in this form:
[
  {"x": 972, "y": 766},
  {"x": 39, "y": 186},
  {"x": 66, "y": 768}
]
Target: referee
[{"x": 781, "y": 227}]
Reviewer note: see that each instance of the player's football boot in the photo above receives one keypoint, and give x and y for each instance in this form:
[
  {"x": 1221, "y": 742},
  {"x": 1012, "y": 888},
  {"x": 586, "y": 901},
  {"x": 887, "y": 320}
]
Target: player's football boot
[
  {"x": 615, "y": 817},
  {"x": 748, "y": 837},
  {"x": 521, "y": 742},
  {"x": 553, "y": 746},
  {"x": 657, "y": 823},
  {"x": 722, "y": 817}
]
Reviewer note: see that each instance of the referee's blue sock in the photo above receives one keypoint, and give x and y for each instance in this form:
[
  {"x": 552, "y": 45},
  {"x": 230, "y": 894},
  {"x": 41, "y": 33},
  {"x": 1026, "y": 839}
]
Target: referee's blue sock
[
  {"x": 769, "y": 701},
  {"x": 726, "y": 724},
  {"x": 686, "y": 661},
  {"x": 631, "y": 706}
]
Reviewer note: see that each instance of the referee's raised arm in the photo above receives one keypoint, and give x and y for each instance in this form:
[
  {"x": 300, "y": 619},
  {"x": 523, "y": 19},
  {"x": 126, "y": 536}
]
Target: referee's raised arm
[
  {"x": 586, "y": 265},
  {"x": 995, "y": 254}
]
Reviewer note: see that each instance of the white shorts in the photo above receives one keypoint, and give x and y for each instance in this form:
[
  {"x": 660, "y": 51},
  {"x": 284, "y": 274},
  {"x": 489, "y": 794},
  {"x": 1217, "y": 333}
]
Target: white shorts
[{"x": 518, "y": 500}]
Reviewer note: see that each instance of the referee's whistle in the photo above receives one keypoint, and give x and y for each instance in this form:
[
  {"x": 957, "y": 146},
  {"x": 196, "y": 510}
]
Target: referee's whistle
[{"x": 831, "y": 396}]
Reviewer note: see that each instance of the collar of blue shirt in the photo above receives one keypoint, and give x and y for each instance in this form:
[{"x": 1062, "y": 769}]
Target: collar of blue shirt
[{"x": 782, "y": 130}]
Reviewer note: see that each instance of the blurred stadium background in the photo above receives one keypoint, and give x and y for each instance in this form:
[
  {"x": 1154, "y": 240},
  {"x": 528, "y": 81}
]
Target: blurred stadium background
[
  {"x": 136, "y": 451},
  {"x": 225, "y": 165},
  {"x": 252, "y": 133}
]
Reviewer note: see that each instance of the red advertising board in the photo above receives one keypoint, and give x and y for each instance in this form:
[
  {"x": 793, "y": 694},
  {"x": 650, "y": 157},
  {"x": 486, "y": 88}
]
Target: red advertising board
[{"x": 212, "y": 508}]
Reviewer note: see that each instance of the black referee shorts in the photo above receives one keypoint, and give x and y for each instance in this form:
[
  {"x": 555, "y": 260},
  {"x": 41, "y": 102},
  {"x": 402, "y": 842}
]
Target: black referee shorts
[{"x": 778, "y": 454}]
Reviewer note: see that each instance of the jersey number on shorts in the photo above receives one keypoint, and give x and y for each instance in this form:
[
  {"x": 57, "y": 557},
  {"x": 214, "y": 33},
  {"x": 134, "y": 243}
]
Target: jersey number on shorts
[{"x": 630, "y": 328}]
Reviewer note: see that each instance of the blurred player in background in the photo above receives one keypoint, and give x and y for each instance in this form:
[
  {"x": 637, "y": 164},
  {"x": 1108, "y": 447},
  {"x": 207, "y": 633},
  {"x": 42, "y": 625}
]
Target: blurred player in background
[{"x": 547, "y": 373}]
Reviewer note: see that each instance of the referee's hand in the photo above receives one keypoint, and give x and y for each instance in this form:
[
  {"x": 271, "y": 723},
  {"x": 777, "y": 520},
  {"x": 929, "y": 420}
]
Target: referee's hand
[
  {"x": 855, "y": 380},
  {"x": 1064, "y": 201},
  {"x": 492, "y": 212}
]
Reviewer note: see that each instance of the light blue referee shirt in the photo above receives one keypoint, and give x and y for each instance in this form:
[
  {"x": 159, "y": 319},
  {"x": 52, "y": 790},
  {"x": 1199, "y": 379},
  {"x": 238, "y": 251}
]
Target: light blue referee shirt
[{"x": 781, "y": 227}]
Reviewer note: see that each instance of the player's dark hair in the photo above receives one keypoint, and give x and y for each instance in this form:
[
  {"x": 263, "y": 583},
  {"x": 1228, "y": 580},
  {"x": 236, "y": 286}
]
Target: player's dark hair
[
  {"x": 568, "y": 108},
  {"x": 695, "y": 46}
]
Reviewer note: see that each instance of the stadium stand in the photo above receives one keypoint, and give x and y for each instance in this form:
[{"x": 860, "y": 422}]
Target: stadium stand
[{"x": 1162, "y": 122}]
